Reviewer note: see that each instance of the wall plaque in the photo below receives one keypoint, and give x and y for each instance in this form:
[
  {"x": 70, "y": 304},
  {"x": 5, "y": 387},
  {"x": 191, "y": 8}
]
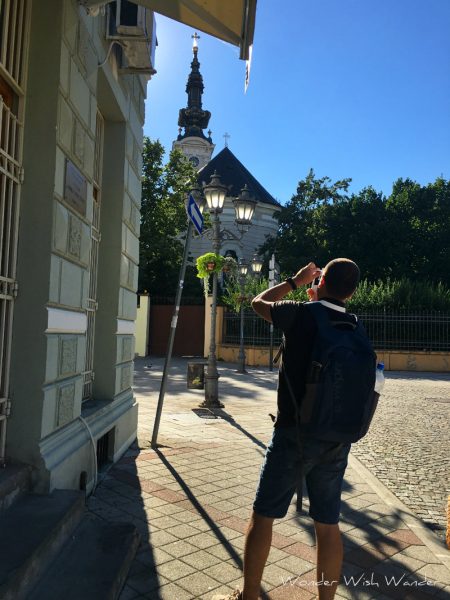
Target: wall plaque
[{"x": 75, "y": 188}]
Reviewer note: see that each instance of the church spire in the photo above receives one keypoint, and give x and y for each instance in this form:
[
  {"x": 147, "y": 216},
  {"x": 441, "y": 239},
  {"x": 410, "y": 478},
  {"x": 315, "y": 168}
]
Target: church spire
[{"x": 193, "y": 118}]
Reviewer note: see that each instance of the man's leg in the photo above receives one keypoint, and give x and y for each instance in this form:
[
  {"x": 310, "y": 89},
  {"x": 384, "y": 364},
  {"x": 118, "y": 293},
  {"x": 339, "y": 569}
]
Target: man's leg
[
  {"x": 329, "y": 558},
  {"x": 257, "y": 547}
]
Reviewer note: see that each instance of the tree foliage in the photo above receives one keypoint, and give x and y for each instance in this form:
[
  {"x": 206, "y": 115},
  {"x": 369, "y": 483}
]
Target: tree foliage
[
  {"x": 163, "y": 218},
  {"x": 406, "y": 235}
]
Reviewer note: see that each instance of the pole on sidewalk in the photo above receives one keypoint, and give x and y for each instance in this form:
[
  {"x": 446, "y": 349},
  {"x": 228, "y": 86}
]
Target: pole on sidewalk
[
  {"x": 173, "y": 327},
  {"x": 271, "y": 284}
]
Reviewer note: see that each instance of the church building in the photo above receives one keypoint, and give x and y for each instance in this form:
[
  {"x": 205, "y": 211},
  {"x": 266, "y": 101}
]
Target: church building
[{"x": 198, "y": 147}]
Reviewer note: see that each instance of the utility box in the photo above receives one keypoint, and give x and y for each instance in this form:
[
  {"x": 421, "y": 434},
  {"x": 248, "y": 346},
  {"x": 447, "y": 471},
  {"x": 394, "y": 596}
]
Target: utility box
[{"x": 196, "y": 375}]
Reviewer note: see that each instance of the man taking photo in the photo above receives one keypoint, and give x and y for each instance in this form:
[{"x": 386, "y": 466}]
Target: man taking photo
[{"x": 319, "y": 454}]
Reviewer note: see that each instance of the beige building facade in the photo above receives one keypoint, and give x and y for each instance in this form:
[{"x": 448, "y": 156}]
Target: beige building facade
[
  {"x": 73, "y": 79},
  {"x": 81, "y": 112}
]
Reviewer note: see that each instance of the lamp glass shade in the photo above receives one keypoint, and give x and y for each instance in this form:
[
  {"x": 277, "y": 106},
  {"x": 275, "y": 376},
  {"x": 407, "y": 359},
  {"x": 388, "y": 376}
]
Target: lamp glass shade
[
  {"x": 243, "y": 267},
  {"x": 215, "y": 193},
  {"x": 244, "y": 206},
  {"x": 257, "y": 264}
]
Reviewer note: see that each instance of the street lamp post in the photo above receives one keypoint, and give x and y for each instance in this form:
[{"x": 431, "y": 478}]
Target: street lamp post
[
  {"x": 215, "y": 193},
  {"x": 256, "y": 266},
  {"x": 243, "y": 268}
]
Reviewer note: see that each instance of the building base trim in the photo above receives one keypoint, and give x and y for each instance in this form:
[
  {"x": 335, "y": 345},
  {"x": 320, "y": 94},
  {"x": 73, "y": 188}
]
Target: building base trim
[{"x": 64, "y": 443}]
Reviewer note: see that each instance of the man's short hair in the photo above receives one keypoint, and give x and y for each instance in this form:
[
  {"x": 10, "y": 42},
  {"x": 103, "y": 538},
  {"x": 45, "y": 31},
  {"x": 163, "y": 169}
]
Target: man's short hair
[{"x": 341, "y": 277}]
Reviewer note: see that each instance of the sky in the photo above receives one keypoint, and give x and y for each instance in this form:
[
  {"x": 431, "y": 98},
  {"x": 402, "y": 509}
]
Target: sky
[{"x": 350, "y": 88}]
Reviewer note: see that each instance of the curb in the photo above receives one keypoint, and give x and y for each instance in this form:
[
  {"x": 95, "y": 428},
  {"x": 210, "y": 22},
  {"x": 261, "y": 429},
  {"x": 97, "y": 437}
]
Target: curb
[{"x": 411, "y": 520}]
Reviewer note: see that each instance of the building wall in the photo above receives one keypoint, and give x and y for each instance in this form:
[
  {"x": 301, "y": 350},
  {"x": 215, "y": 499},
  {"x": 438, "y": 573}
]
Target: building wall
[
  {"x": 65, "y": 89},
  {"x": 433, "y": 362},
  {"x": 142, "y": 325},
  {"x": 195, "y": 147}
]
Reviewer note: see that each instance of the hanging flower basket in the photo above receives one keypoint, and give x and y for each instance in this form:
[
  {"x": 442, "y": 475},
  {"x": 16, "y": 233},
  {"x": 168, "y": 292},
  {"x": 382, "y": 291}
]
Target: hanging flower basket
[
  {"x": 230, "y": 266},
  {"x": 206, "y": 264}
]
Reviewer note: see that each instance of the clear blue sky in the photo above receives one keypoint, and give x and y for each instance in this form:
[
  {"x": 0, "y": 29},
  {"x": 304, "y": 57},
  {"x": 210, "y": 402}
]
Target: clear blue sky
[{"x": 351, "y": 88}]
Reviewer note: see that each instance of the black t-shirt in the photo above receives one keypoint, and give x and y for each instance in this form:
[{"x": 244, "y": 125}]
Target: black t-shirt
[{"x": 299, "y": 330}]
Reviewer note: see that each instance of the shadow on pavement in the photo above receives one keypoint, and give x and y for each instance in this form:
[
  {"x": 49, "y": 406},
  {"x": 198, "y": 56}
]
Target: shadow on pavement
[
  {"x": 214, "y": 529},
  {"x": 371, "y": 568},
  {"x": 229, "y": 419},
  {"x": 122, "y": 500}
]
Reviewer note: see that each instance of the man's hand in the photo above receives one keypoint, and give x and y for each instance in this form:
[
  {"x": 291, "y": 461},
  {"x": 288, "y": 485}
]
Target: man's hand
[
  {"x": 263, "y": 302},
  {"x": 307, "y": 274}
]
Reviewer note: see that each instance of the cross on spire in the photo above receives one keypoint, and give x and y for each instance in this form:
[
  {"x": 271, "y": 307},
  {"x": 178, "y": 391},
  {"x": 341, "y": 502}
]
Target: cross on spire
[
  {"x": 226, "y": 137},
  {"x": 195, "y": 37}
]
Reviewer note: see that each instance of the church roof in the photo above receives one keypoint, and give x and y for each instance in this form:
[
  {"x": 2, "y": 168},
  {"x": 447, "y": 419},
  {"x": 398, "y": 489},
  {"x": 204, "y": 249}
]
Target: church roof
[{"x": 234, "y": 175}]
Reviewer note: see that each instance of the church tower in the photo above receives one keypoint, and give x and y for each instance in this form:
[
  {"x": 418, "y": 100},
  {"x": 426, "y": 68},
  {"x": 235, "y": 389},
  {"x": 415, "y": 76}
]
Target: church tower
[{"x": 193, "y": 143}]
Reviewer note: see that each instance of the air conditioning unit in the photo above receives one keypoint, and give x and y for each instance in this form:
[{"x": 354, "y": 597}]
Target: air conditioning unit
[{"x": 135, "y": 28}]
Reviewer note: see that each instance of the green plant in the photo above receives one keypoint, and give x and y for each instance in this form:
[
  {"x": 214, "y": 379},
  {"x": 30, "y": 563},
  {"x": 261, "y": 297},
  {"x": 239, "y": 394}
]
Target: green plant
[
  {"x": 206, "y": 265},
  {"x": 230, "y": 266},
  {"x": 205, "y": 260}
]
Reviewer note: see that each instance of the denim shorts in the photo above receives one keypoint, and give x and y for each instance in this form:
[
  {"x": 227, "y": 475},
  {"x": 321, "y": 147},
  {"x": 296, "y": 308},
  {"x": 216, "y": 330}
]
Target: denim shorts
[{"x": 324, "y": 464}]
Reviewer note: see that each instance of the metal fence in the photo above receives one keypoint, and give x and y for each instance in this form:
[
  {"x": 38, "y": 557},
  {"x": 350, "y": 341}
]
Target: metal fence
[{"x": 399, "y": 330}]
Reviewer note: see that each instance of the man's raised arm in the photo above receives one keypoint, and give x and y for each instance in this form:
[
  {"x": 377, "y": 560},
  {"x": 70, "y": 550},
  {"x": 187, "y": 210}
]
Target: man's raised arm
[{"x": 263, "y": 302}]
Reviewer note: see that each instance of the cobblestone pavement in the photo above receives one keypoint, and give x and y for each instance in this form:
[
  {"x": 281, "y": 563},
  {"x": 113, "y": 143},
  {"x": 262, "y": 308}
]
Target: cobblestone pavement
[
  {"x": 408, "y": 446},
  {"x": 191, "y": 498}
]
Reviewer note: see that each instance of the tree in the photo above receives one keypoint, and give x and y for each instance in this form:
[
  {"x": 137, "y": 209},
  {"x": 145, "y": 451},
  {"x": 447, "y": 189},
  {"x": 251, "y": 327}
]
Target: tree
[
  {"x": 163, "y": 218},
  {"x": 302, "y": 222},
  {"x": 420, "y": 215},
  {"x": 406, "y": 235}
]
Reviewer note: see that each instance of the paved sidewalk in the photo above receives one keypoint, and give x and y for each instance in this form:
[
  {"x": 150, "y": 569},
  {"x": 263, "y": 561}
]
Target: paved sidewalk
[{"x": 192, "y": 497}]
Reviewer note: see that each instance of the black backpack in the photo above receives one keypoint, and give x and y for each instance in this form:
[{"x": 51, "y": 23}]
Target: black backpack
[{"x": 339, "y": 401}]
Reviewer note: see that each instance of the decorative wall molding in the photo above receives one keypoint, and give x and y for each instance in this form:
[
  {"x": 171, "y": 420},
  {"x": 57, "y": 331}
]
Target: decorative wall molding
[
  {"x": 66, "y": 321},
  {"x": 125, "y": 327}
]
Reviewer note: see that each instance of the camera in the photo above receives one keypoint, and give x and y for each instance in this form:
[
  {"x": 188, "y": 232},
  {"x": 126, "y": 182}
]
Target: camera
[{"x": 315, "y": 283}]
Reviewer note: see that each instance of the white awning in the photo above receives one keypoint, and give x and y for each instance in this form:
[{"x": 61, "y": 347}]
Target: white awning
[{"x": 230, "y": 20}]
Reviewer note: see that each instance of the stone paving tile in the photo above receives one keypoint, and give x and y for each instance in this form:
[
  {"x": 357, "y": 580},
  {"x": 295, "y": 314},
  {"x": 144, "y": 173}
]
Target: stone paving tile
[
  {"x": 436, "y": 573},
  {"x": 180, "y": 548},
  {"x": 421, "y": 553},
  {"x": 198, "y": 584},
  {"x": 182, "y": 531},
  {"x": 172, "y": 591},
  {"x": 146, "y": 581},
  {"x": 230, "y": 534},
  {"x": 175, "y": 569},
  {"x": 290, "y": 592},
  {"x": 405, "y": 535},
  {"x": 160, "y": 522},
  {"x": 220, "y": 552},
  {"x": 406, "y": 447},
  {"x": 201, "y": 524},
  {"x": 224, "y": 572},
  {"x": 221, "y": 474},
  {"x": 201, "y": 560},
  {"x": 161, "y": 538},
  {"x": 150, "y": 556},
  {"x": 408, "y": 562},
  {"x": 301, "y": 550},
  {"x": 128, "y": 593},
  {"x": 276, "y": 575},
  {"x": 296, "y": 565}
]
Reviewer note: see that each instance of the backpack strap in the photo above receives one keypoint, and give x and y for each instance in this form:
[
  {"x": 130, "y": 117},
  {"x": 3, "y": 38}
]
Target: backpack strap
[{"x": 299, "y": 486}]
